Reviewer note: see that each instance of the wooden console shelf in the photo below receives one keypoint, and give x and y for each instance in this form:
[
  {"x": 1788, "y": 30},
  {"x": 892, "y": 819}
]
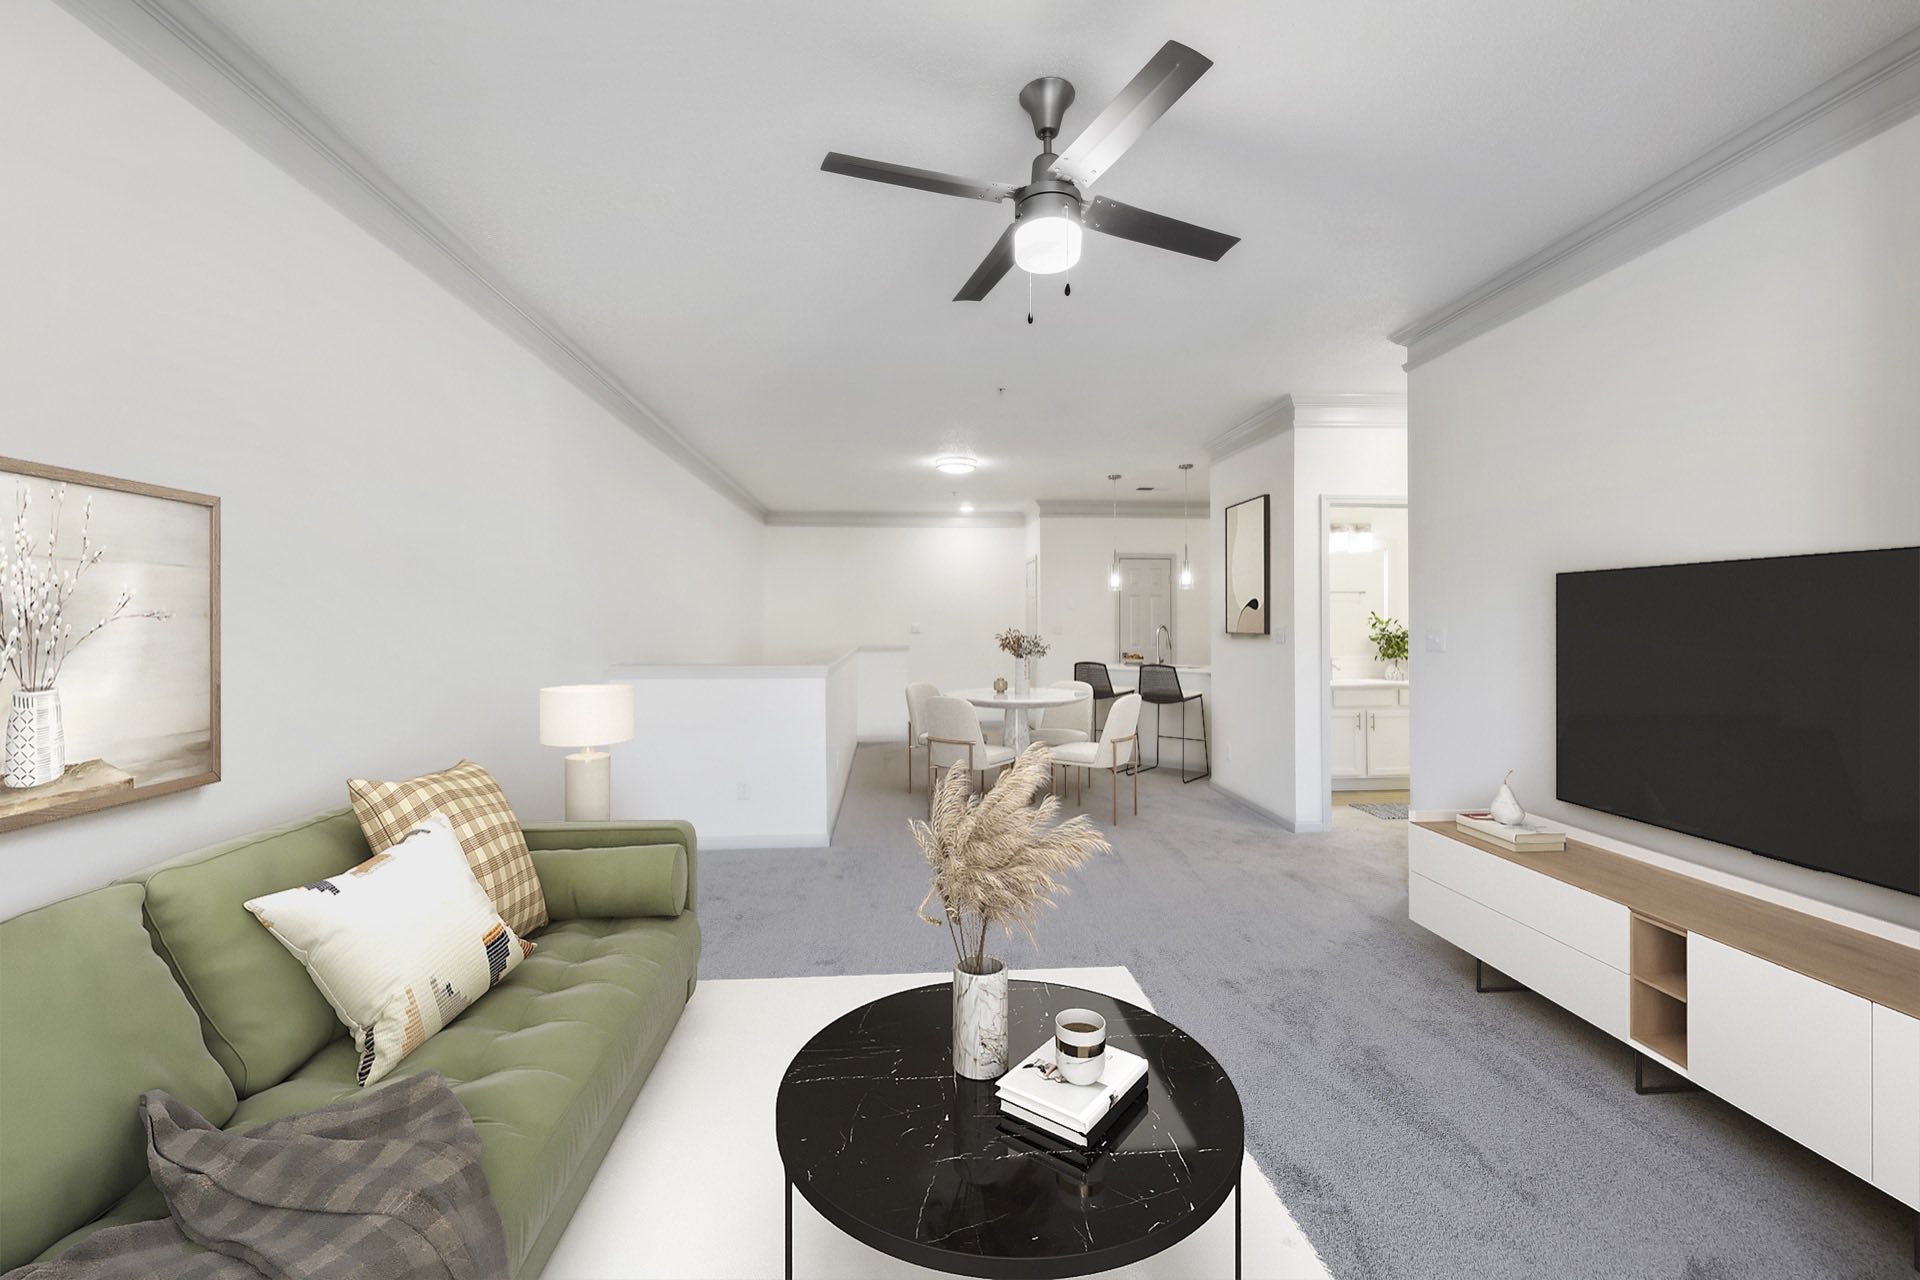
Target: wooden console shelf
[{"x": 1874, "y": 968}]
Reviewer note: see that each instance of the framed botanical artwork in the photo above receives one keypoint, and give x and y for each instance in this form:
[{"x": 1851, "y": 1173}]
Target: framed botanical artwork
[
  {"x": 109, "y": 642},
  {"x": 1249, "y": 575}
]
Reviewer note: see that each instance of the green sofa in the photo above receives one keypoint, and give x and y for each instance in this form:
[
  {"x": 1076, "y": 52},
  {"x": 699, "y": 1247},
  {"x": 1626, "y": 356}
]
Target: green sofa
[{"x": 165, "y": 981}]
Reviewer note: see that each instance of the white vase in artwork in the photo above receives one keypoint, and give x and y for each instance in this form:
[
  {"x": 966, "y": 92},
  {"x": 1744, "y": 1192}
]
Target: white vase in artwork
[
  {"x": 980, "y": 1021},
  {"x": 1505, "y": 809},
  {"x": 36, "y": 744}
]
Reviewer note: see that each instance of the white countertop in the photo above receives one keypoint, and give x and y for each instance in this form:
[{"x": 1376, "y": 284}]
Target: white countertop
[
  {"x": 1367, "y": 682},
  {"x": 1178, "y": 666}
]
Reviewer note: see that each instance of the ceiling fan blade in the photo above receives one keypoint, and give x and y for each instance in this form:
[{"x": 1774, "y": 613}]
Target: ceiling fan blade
[
  {"x": 1145, "y": 99},
  {"x": 997, "y": 263},
  {"x": 1110, "y": 217},
  {"x": 900, "y": 175}
]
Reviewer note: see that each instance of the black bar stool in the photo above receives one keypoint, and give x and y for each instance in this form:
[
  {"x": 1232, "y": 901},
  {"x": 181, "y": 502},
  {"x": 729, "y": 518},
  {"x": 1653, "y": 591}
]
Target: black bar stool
[
  {"x": 1095, "y": 674},
  {"x": 1160, "y": 685}
]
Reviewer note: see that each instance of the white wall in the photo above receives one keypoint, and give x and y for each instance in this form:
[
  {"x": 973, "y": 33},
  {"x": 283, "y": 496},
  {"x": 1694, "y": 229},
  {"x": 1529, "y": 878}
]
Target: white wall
[
  {"x": 832, "y": 589},
  {"x": 422, "y": 523},
  {"x": 1252, "y": 710},
  {"x": 1748, "y": 389},
  {"x": 1077, "y": 608},
  {"x": 1268, "y": 722}
]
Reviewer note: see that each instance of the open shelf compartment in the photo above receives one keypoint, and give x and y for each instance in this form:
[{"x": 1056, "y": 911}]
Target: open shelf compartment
[{"x": 1657, "y": 1012}]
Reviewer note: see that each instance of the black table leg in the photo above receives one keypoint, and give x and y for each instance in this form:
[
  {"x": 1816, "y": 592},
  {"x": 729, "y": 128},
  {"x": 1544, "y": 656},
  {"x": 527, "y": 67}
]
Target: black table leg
[
  {"x": 1236, "y": 1227},
  {"x": 789, "y": 1229}
]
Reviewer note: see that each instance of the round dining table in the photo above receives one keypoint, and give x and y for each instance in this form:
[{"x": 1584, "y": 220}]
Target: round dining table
[{"x": 1017, "y": 705}]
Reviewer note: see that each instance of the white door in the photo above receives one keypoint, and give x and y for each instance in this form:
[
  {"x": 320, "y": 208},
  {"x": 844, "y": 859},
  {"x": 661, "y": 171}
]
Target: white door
[
  {"x": 1791, "y": 1052},
  {"x": 1146, "y": 602},
  {"x": 1347, "y": 750},
  {"x": 1389, "y": 748}
]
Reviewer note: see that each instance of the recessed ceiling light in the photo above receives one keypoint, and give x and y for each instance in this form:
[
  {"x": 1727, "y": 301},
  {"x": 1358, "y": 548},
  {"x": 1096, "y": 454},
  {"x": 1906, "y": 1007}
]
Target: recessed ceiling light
[
  {"x": 966, "y": 508},
  {"x": 955, "y": 464}
]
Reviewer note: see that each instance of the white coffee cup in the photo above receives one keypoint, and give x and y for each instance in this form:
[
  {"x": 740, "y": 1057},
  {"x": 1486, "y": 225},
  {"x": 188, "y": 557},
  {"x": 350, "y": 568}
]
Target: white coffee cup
[{"x": 1080, "y": 1045}]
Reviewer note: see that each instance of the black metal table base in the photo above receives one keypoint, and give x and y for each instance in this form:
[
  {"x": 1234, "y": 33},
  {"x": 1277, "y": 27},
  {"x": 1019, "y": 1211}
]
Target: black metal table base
[
  {"x": 1679, "y": 1084},
  {"x": 1236, "y": 1229},
  {"x": 1480, "y": 979}
]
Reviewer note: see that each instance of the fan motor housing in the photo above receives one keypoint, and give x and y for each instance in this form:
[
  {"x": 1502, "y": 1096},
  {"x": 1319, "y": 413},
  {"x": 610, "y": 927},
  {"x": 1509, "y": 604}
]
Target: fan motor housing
[{"x": 1049, "y": 199}]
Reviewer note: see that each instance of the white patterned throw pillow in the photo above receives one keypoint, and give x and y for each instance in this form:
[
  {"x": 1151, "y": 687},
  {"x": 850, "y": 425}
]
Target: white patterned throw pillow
[{"x": 399, "y": 945}]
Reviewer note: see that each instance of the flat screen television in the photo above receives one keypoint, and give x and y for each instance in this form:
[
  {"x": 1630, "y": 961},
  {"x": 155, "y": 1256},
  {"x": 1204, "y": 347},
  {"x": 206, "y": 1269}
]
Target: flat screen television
[{"x": 1772, "y": 705}]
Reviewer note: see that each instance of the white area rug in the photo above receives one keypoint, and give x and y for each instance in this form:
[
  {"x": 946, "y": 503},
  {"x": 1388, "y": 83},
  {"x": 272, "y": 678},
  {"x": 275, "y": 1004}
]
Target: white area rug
[{"x": 691, "y": 1189}]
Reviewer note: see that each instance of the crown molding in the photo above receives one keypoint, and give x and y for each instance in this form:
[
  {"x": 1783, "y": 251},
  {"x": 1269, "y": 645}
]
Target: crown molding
[
  {"x": 198, "y": 59},
  {"x": 1350, "y": 410},
  {"x": 892, "y": 520},
  {"x": 1264, "y": 425},
  {"x": 1872, "y": 95},
  {"x": 1090, "y": 508}
]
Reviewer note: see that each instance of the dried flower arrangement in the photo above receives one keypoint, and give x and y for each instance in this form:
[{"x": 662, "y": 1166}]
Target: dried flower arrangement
[
  {"x": 35, "y": 637},
  {"x": 997, "y": 858},
  {"x": 1021, "y": 644}
]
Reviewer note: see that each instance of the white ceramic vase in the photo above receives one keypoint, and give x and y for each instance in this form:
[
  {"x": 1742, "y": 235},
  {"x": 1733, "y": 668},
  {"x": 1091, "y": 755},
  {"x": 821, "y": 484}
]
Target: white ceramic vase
[
  {"x": 36, "y": 744},
  {"x": 980, "y": 1022},
  {"x": 1022, "y": 676}
]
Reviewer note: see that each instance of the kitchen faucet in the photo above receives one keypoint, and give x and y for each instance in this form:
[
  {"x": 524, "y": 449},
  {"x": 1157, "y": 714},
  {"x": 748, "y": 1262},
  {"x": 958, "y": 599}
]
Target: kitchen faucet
[{"x": 1156, "y": 640}]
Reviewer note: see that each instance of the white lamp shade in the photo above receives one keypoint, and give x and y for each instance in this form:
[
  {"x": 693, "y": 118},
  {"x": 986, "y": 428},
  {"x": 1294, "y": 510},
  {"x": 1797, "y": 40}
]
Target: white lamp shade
[{"x": 586, "y": 715}]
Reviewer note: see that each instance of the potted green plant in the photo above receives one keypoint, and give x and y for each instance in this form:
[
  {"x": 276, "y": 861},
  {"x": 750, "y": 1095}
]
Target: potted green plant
[{"x": 1389, "y": 644}]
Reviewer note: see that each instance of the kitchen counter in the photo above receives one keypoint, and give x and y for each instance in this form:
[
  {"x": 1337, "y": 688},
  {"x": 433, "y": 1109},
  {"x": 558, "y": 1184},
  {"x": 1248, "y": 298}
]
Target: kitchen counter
[{"x": 1367, "y": 682}]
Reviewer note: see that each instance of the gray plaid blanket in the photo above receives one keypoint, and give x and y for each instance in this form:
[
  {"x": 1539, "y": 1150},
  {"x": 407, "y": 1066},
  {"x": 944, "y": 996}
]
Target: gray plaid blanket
[{"x": 385, "y": 1185}]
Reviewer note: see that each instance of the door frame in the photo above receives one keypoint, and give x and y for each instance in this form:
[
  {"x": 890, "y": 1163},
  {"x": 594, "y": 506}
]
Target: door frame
[
  {"x": 1329, "y": 503},
  {"x": 1173, "y": 602}
]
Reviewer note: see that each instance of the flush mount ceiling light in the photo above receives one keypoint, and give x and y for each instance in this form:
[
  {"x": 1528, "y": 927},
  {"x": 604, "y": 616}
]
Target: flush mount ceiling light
[
  {"x": 955, "y": 464},
  {"x": 966, "y": 508},
  {"x": 1052, "y": 209}
]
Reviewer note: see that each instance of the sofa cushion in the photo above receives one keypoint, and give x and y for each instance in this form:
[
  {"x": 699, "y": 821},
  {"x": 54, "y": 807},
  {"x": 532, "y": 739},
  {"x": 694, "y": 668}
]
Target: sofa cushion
[
  {"x": 89, "y": 1018},
  {"x": 398, "y": 945},
  {"x": 617, "y": 883},
  {"x": 261, "y": 1015},
  {"x": 541, "y": 1061},
  {"x": 468, "y": 797}
]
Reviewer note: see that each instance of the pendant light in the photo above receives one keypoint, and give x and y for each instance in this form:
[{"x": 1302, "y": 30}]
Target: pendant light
[
  {"x": 1186, "y": 561},
  {"x": 1113, "y": 574}
]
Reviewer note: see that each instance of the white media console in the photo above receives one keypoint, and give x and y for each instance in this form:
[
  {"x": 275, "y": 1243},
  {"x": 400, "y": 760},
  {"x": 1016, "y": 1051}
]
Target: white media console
[{"x": 1807, "y": 1024}]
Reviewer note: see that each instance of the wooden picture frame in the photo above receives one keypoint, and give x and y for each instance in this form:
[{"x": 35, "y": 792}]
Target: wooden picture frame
[
  {"x": 1247, "y": 559},
  {"x": 130, "y": 712}
]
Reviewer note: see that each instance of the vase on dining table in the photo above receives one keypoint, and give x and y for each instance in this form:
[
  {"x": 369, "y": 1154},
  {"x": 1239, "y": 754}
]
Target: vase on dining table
[{"x": 1022, "y": 676}]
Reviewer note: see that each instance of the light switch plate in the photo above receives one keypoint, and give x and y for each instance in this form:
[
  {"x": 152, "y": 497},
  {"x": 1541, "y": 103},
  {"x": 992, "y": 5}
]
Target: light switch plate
[
  {"x": 914, "y": 628},
  {"x": 1280, "y": 635}
]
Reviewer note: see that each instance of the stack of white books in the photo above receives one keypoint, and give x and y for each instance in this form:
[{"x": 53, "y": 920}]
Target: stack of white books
[
  {"x": 1081, "y": 1114},
  {"x": 1523, "y": 837}
]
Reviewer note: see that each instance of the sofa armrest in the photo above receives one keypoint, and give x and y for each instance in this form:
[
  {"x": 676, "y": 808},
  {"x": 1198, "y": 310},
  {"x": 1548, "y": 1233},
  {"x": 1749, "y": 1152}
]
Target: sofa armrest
[{"x": 612, "y": 835}]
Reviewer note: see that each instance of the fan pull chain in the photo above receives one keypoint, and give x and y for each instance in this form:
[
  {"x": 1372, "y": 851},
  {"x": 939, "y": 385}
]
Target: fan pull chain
[
  {"x": 1029, "y": 297},
  {"x": 1069, "y": 290}
]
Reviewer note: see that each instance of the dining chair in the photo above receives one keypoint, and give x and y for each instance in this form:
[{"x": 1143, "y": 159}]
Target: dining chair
[
  {"x": 1118, "y": 746},
  {"x": 917, "y": 694},
  {"x": 1070, "y": 723},
  {"x": 1160, "y": 685},
  {"x": 1095, "y": 675},
  {"x": 954, "y": 737}
]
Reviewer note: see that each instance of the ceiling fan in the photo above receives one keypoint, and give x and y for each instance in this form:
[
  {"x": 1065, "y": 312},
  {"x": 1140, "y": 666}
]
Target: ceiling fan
[{"x": 1050, "y": 210}]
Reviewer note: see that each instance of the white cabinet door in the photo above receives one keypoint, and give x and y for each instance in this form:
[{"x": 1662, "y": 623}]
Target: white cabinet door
[
  {"x": 1347, "y": 749},
  {"x": 1389, "y": 749},
  {"x": 1791, "y": 1052},
  {"x": 1896, "y": 1104}
]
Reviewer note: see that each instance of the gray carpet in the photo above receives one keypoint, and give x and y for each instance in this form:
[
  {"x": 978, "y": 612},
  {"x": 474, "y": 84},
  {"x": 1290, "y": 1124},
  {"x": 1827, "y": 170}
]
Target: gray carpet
[{"x": 1414, "y": 1128}]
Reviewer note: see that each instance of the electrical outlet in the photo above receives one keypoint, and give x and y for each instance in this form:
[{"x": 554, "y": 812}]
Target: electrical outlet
[
  {"x": 743, "y": 791},
  {"x": 1436, "y": 639},
  {"x": 913, "y": 628}
]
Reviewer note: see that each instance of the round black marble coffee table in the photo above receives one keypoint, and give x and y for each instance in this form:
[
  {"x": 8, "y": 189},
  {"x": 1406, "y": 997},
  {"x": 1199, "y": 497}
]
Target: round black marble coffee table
[{"x": 890, "y": 1146}]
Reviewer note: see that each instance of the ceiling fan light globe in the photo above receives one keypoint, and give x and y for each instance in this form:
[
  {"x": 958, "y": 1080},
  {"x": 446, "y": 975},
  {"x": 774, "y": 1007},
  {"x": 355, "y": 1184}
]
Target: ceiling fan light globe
[{"x": 1046, "y": 246}]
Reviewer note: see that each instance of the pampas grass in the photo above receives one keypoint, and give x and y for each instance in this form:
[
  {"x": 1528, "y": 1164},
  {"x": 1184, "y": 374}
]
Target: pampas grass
[{"x": 997, "y": 858}]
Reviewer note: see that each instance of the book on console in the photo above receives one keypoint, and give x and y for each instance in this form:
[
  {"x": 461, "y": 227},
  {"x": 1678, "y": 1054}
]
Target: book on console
[
  {"x": 1072, "y": 1111},
  {"x": 1529, "y": 836}
]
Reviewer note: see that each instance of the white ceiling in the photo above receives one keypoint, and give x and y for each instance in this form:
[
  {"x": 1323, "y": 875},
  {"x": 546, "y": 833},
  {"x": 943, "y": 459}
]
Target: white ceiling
[{"x": 648, "y": 175}]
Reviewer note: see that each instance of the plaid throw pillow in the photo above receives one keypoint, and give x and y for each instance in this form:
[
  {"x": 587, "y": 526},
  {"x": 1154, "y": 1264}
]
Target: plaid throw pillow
[{"x": 477, "y": 809}]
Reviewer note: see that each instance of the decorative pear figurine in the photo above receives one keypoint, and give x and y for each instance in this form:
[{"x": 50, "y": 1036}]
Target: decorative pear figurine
[{"x": 1506, "y": 810}]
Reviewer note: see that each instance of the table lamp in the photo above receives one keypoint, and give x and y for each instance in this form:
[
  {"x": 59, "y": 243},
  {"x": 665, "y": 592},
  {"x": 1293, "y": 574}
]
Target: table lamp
[{"x": 587, "y": 716}]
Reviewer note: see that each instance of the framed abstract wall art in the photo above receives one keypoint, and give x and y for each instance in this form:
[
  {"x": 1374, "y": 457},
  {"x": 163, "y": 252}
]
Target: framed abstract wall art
[
  {"x": 109, "y": 642},
  {"x": 1249, "y": 576}
]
